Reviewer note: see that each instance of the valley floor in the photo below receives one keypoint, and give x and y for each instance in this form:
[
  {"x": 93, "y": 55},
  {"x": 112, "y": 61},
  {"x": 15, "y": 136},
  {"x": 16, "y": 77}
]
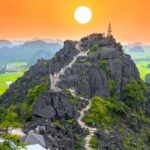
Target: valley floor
[{"x": 7, "y": 79}]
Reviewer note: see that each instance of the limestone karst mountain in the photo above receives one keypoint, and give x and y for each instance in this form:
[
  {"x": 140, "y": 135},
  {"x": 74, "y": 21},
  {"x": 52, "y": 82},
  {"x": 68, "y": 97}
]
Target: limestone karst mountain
[
  {"x": 30, "y": 51},
  {"x": 89, "y": 96},
  {"x": 5, "y": 43},
  {"x": 136, "y": 49}
]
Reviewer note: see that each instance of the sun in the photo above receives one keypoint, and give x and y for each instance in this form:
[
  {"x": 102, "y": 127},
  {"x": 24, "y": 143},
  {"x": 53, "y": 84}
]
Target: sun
[{"x": 83, "y": 15}]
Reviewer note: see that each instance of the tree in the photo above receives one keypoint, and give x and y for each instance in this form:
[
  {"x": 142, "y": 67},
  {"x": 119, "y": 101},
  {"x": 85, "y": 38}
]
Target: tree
[{"x": 134, "y": 94}]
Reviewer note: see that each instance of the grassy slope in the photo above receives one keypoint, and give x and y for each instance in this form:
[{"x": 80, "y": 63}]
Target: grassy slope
[
  {"x": 13, "y": 74},
  {"x": 142, "y": 67},
  {"x": 7, "y": 78}
]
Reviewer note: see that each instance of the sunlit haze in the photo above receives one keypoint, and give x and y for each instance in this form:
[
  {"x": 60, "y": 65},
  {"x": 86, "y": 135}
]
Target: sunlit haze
[{"x": 55, "y": 19}]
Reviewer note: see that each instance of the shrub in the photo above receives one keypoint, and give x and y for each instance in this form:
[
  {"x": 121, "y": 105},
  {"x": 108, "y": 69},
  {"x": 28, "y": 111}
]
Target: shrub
[
  {"x": 94, "y": 48},
  {"x": 58, "y": 124},
  {"x": 73, "y": 100},
  {"x": 35, "y": 92},
  {"x": 26, "y": 112},
  {"x": 112, "y": 87},
  {"x": 14, "y": 115},
  {"x": 13, "y": 138},
  {"x": 46, "y": 63},
  {"x": 104, "y": 65},
  {"x": 104, "y": 112},
  {"x": 9, "y": 117},
  {"x": 6, "y": 146},
  {"x": 98, "y": 113},
  {"x": 134, "y": 94},
  {"x": 119, "y": 107},
  {"x": 70, "y": 121},
  {"x": 94, "y": 143},
  {"x": 27, "y": 105},
  {"x": 79, "y": 141}
]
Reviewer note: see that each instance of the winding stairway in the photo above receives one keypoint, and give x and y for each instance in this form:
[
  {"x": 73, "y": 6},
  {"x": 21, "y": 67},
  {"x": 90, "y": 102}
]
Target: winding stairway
[
  {"x": 56, "y": 78},
  {"x": 91, "y": 130}
]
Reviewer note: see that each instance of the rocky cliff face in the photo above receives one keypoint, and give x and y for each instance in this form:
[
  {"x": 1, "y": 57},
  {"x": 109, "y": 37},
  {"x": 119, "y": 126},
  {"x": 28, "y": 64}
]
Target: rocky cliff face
[
  {"x": 104, "y": 72},
  {"x": 91, "y": 75},
  {"x": 17, "y": 92}
]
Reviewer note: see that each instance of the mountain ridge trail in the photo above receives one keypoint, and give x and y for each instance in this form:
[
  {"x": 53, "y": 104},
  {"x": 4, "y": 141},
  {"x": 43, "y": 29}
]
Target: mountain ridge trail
[
  {"x": 55, "y": 78},
  {"x": 84, "y": 126}
]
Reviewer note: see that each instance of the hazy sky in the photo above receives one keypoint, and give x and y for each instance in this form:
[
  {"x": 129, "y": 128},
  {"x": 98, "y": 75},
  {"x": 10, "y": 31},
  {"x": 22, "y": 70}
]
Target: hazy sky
[{"x": 22, "y": 19}]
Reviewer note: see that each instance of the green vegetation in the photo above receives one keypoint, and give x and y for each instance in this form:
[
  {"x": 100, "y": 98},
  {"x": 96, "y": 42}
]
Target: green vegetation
[
  {"x": 16, "y": 115},
  {"x": 103, "y": 112},
  {"x": 94, "y": 48},
  {"x": 94, "y": 143},
  {"x": 134, "y": 95},
  {"x": 46, "y": 63},
  {"x": 9, "y": 117},
  {"x": 35, "y": 92},
  {"x": 16, "y": 67},
  {"x": 6, "y": 146},
  {"x": 59, "y": 124},
  {"x": 4, "y": 78},
  {"x": 80, "y": 141},
  {"x": 126, "y": 114},
  {"x": 98, "y": 112},
  {"x": 142, "y": 61},
  {"x": 27, "y": 105},
  {"x": 141, "y": 56},
  {"x": 104, "y": 65},
  {"x": 137, "y": 140},
  {"x": 112, "y": 87},
  {"x": 13, "y": 138},
  {"x": 73, "y": 100},
  {"x": 12, "y": 72},
  {"x": 143, "y": 68},
  {"x": 70, "y": 121},
  {"x": 12, "y": 142}
]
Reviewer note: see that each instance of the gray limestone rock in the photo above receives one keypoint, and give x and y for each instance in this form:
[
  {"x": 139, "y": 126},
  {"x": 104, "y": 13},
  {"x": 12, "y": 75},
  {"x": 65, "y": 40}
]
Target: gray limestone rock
[{"x": 89, "y": 76}]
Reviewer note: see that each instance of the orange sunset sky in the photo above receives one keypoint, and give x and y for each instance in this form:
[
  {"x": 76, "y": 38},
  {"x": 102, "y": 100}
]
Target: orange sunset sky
[{"x": 23, "y": 19}]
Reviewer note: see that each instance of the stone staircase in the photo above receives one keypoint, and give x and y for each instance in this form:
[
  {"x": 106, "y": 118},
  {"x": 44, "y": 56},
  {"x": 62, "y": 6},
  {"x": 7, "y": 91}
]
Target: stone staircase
[
  {"x": 56, "y": 78},
  {"x": 92, "y": 131}
]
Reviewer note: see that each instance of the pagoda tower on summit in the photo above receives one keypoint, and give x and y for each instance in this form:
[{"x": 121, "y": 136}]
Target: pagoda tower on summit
[{"x": 109, "y": 30}]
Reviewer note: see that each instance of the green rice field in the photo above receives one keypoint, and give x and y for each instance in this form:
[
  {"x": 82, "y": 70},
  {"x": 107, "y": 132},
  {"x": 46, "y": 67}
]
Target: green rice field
[
  {"x": 139, "y": 56},
  {"x": 143, "y": 69},
  {"x": 6, "y": 78},
  {"x": 13, "y": 72},
  {"x": 19, "y": 69}
]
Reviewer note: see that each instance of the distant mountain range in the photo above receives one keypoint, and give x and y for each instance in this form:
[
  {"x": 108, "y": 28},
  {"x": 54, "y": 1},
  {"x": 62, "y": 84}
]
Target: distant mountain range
[
  {"x": 88, "y": 97},
  {"x": 136, "y": 47},
  {"x": 27, "y": 51},
  {"x": 5, "y": 43}
]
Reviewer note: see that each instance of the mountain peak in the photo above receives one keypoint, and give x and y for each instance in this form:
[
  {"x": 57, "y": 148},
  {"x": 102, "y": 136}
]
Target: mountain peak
[{"x": 85, "y": 77}]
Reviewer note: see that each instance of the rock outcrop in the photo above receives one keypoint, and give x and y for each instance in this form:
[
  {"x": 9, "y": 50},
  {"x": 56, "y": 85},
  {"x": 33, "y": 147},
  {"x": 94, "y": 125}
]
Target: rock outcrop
[
  {"x": 18, "y": 91},
  {"x": 91, "y": 75}
]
